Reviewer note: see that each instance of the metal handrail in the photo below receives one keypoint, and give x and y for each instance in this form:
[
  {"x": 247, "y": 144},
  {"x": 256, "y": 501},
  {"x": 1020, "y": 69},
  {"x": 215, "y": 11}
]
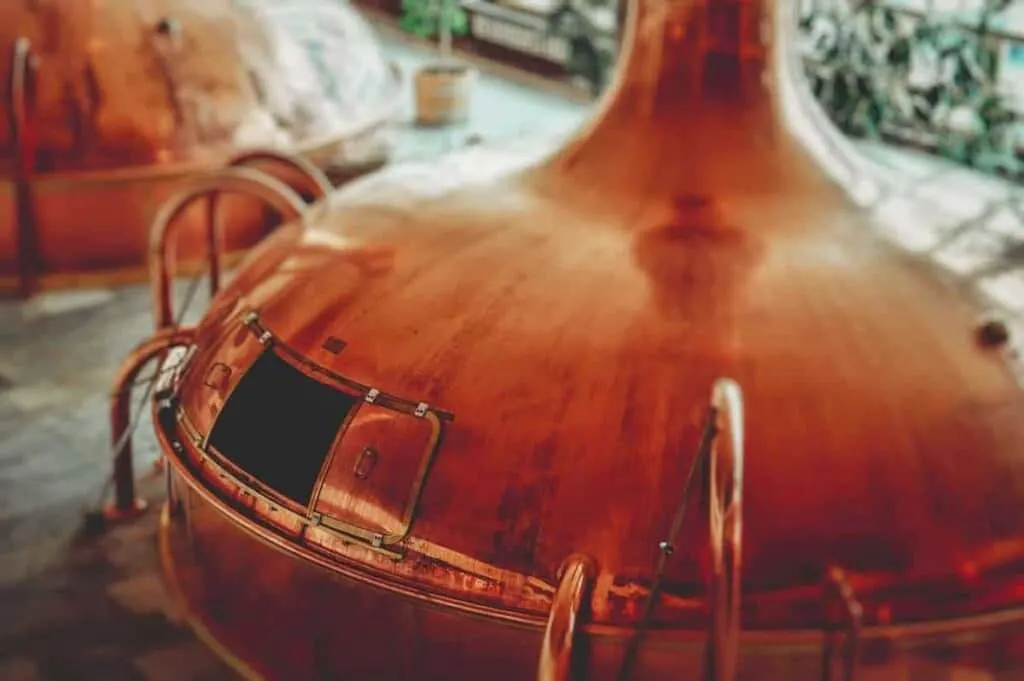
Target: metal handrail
[
  {"x": 839, "y": 592},
  {"x": 320, "y": 186},
  {"x": 558, "y": 645},
  {"x": 272, "y": 192},
  {"x": 126, "y": 503},
  {"x": 19, "y": 101},
  {"x": 724, "y": 414},
  {"x": 316, "y": 187},
  {"x": 725, "y": 506}
]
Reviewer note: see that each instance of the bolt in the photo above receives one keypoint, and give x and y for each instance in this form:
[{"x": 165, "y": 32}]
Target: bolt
[{"x": 993, "y": 333}]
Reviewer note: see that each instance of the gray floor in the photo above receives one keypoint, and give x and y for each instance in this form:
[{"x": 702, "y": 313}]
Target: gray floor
[{"x": 75, "y": 607}]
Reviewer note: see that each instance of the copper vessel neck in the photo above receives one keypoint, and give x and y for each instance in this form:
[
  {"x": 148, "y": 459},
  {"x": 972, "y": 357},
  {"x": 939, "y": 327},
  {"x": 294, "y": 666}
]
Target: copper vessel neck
[{"x": 701, "y": 103}]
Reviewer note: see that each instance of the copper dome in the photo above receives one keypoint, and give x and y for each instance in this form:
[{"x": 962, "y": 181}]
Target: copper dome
[
  {"x": 470, "y": 396},
  {"x": 109, "y": 104}
]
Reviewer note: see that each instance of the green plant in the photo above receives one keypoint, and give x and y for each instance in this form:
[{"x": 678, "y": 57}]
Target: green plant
[
  {"x": 859, "y": 66},
  {"x": 589, "y": 55},
  {"x": 430, "y": 18}
]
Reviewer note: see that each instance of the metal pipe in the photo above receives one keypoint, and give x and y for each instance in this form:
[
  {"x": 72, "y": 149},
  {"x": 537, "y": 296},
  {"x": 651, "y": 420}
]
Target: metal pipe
[
  {"x": 274, "y": 193},
  {"x": 20, "y": 100},
  {"x": 126, "y": 504},
  {"x": 319, "y": 186},
  {"x": 557, "y": 647},
  {"x": 838, "y": 591},
  {"x": 726, "y": 531},
  {"x": 315, "y": 186}
]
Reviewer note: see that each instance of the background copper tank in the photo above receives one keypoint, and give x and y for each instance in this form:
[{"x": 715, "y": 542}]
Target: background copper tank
[
  {"x": 537, "y": 342},
  {"x": 108, "y": 105}
]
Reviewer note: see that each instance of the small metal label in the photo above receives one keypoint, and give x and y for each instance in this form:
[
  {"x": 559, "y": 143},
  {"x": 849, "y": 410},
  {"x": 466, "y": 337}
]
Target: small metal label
[{"x": 372, "y": 395}]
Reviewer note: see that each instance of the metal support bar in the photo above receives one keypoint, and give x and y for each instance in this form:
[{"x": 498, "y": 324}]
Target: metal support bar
[
  {"x": 319, "y": 186},
  {"x": 311, "y": 185},
  {"x": 253, "y": 183},
  {"x": 20, "y": 100},
  {"x": 725, "y": 472},
  {"x": 557, "y": 647},
  {"x": 840, "y": 595},
  {"x": 126, "y": 504}
]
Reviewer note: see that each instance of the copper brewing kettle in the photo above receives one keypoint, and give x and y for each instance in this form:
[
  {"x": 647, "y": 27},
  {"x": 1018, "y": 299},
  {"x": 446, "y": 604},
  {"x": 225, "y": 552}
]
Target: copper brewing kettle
[{"x": 469, "y": 415}]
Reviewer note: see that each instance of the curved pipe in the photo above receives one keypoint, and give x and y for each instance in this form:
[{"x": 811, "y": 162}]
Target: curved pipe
[
  {"x": 19, "y": 100},
  {"x": 125, "y": 501},
  {"x": 556, "y": 652},
  {"x": 726, "y": 530},
  {"x": 315, "y": 184},
  {"x": 253, "y": 183},
  {"x": 320, "y": 186}
]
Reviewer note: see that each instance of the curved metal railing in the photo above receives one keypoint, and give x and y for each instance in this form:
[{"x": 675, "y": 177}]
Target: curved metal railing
[
  {"x": 20, "y": 88},
  {"x": 311, "y": 184},
  {"x": 254, "y": 183},
  {"x": 127, "y": 504},
  {"x": 319, "y": 186},
  {"x": 558, "y": 645},
  {"x": 839, "y": 596},
  {"x": 723, "y": 466},
  {"x": 725, "y": 502}
]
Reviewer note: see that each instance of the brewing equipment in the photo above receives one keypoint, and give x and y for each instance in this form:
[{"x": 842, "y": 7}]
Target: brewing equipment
[
  {"x": 110, "y": 105},
  {"x": 663, "y": 404}
]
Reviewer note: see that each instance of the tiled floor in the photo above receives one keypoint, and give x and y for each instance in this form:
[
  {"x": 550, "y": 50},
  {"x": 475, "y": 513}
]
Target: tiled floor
[{"x": 80, "y": 608}]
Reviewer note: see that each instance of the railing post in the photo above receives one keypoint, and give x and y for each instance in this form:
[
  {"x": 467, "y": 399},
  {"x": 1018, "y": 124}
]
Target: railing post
[
  {"x": 560, "y": 635},
  {"x": 725, "y": 487},
  {"x": 839, "y": 595},
  {"x": 312, "y": 186},
  {"x": 20, "y": 102},
  {"x": 253, "y": 183},
  {"x": 127, "y": 505}
]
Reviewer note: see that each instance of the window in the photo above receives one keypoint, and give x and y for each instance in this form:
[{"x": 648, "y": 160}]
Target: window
[{"x": 278, "y": 425}]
